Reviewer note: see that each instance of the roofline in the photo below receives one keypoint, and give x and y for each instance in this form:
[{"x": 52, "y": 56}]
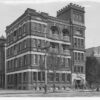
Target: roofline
[{"x": 29, "y": 11}]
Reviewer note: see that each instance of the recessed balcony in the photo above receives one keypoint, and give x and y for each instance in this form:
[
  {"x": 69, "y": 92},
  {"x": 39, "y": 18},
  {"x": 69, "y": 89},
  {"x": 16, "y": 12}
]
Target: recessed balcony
[
  {"x": 55, "y": 36},
  {"x": 66, "y": 38},
  {"x": 54, "y": 32},
  {"x": 65, "y": 34}
]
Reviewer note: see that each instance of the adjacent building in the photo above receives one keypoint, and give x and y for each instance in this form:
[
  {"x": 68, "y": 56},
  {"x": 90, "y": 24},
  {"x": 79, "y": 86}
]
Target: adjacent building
[
  {"x": 2, "y": 61},
  {"x": 35, "y": 38},
  {"x": 95, "y": 51},
  {"x": 92, "y": 65}
]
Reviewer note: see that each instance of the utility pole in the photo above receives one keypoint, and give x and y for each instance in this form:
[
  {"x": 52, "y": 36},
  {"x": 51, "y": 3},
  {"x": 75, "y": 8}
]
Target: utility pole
[
  {"x": 45, "y": 73},
  {"x": 45, "y": 48}
]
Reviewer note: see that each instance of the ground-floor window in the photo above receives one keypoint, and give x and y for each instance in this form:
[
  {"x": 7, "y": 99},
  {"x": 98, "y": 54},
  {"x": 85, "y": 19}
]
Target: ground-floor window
[
  {"x": 24, "y": 76},
  {"x": 39, "y": 76},
  {"x": 78, "y": 69},
  {"x": 35, "y": 76},
  {"x": 63, "y": 77},
  {"x": 50, "y": 76},
  {"x": 19, "y": 77},
  {"x": 57, "y": 77},
  {"x": 43, "y": 76},
  {"x": 68, "y": 77}
]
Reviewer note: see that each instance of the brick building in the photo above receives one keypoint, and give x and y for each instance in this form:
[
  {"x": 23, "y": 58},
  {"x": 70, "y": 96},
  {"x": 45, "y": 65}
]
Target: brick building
[
  {"x": 2, "y": 62},
  {"x": 28, "y": 64}
]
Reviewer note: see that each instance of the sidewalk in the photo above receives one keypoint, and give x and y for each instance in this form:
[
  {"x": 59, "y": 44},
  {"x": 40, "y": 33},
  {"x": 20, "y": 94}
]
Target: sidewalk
[{"x": 42, "y": 91}]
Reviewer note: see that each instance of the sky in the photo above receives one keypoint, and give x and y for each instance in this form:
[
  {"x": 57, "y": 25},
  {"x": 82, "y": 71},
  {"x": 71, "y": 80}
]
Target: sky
[{"x": 10, "y": 10}]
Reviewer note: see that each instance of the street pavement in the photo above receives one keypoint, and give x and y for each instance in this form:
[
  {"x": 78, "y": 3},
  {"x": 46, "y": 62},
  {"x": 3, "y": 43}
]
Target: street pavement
[{"x": 58, "y": 93}]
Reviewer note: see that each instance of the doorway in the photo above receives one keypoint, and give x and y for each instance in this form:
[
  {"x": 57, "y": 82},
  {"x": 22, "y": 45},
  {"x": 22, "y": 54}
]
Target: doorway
[{"x": 77, "y": 84}]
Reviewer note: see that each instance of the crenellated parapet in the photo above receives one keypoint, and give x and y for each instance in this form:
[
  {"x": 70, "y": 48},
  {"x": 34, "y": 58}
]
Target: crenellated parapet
[{"x": 71, "y": 5}]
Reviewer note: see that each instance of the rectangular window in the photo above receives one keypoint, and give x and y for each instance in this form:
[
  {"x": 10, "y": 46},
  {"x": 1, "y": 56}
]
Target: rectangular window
[
  {"x": 78, "y": 43},
  {"x": 15, "y": 62},
  {"x": 57, "y": 77},
  {"x": 75, "y": 69},
  {"x": 35, "y": 26},
  {"x": 82, "y": 43},
  {"x": 24, "y": 76},
  {"x": 43, "y": 76},
  {"x": 43, "y": 28},
  {"x": 34, "y": 43},
  {"x": 24, "y": 44},
  {"x": 21, "y": 61},
  {"x": 39, "y": 76},
  {"x": 7, "y": 65},
  {"x": 39, "y": 45},
  {"x": 11, "y": 64},
  {"x": 81, "y": 69},
  {"x": 35, "y": 59},
  {"x": 78, "y": 56},
  {"x": 82, "y": 56},
  {"x": 66, "y": 62},
  {"x": 39, "y": 27},
  {"x": 68, "y": 77},
  {"x": 35, "y": 76},
  {"x": 15, "y": 35},
  {"x": 75, "y": 42},
  {"x": 15, "y": 49},
  {"x": 51, "y": 76},
  {"x": 69, "y": 62},
  {"x": 20, "y": 31},
  {"x": 19, "y": 77},
  {"x": 19, "y": 46},
  {"x": 25, "y": 59},
  {"x": 78, "y": 69},
  {"x": 75, "y": 56},
  {"x": 42, "y": 43},
  {"x": 63, "y": 77},
  {"x": 24, "y": 28},
  {"x": 8, "y": 39},
  {"x": 11, "y": 51}
]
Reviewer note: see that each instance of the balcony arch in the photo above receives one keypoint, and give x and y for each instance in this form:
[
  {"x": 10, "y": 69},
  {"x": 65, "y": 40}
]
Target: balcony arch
[
  {"x": 65, "y": 32},
  {"x": 54, "y": 32},
  {"x": 54, "y": 28}
]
